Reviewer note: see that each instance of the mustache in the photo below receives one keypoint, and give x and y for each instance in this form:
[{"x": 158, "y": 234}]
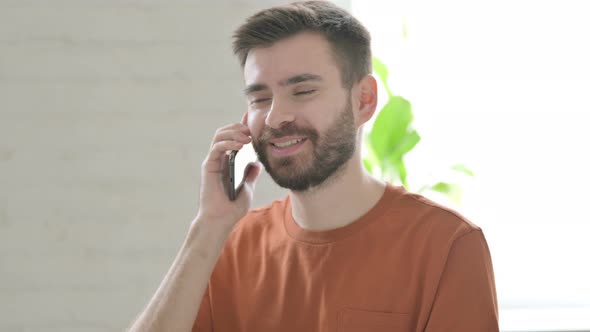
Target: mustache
[{"x": 289, "y": 129}]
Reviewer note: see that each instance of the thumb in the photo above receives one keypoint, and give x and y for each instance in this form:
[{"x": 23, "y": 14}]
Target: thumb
[{"x": 251, "y": 173}]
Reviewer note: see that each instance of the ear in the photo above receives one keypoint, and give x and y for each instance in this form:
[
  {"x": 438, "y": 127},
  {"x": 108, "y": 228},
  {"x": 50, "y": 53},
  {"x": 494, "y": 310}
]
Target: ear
[{"x": 367, "y": 98}]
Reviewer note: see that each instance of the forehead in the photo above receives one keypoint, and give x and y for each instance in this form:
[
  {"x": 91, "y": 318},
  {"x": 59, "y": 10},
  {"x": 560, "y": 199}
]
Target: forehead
[{"x": 302, "y": 53}]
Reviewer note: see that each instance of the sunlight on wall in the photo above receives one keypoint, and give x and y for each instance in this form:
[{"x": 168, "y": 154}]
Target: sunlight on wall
[{"x": 502, "y": 87}]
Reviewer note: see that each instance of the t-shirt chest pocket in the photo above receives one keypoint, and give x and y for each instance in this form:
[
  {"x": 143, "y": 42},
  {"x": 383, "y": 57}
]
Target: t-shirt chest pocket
[{"x": 357, "y": 320}]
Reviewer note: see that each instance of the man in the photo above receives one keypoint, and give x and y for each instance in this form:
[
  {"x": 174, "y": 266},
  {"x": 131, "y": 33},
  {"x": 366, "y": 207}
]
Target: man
[{"x": 344, "y": 251}]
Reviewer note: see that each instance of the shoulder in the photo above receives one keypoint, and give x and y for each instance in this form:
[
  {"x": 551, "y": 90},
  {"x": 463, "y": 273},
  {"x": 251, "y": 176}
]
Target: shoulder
[
  {"x": 429, "y": 219},
  {"x": 433, "y": 232},
  {"x": 439, "y": 212}
]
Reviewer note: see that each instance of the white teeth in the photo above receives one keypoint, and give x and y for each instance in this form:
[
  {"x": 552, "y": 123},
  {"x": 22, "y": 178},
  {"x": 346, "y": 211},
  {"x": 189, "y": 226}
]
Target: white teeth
[{"x": 289, "y": 143}]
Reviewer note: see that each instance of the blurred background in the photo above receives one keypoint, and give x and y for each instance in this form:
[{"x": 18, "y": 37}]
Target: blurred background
[{"x": 107, "y": 109}]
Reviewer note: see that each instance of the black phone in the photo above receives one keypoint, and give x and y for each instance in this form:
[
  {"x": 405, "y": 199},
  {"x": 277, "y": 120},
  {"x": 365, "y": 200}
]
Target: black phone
[{"x": 232, "y": 175}]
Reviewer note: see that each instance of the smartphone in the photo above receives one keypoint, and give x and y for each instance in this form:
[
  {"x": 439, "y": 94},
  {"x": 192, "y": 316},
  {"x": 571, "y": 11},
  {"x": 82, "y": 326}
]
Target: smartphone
[
  {"x": 232, "y": 175},
  {"x": 237, "y": 166}
]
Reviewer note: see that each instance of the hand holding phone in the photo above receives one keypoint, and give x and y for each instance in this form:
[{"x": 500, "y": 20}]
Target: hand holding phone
[{"x": 214, "y": 203}]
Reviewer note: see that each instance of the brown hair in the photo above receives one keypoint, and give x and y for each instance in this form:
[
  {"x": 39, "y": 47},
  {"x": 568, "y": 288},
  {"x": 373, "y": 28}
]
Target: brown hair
[{"x": 349, "y": 39}]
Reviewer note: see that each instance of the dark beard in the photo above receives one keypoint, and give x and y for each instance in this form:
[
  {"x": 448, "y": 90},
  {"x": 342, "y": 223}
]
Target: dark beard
[{"x": 330, "y": 152}]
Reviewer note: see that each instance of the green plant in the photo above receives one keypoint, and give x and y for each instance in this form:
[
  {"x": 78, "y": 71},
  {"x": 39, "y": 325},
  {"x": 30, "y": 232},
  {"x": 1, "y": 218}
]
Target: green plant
[{"x": 392, "y": 137}]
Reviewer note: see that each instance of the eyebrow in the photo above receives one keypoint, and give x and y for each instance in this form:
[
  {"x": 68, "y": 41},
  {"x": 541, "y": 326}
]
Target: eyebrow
[{"x": 289, "y": 81}]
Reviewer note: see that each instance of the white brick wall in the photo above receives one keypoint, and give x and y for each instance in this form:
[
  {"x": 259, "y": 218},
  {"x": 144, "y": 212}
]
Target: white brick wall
[{"x": 107, "y": 109}]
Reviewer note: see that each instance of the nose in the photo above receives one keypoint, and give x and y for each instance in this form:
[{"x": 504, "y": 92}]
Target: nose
[{"x": 279, "y": 114}]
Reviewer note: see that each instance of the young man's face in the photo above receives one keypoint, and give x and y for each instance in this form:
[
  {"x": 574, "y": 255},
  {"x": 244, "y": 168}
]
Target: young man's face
[{"x": 299, "y": 114}]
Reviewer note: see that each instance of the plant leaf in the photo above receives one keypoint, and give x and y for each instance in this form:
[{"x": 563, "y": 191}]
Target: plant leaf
[
  {"x": 406, "y": 144},
  {"x": 451, "y": 190},
  {"x": 396, "y": 170},
  {"x": 389, "y": 173},
  {"x": 368, "y": 165},
  {"x": 403, "y": 174},
  {"x": 390, "y": 126},
  {"x": 381, "y": 70},
  {"x": 442, "y": 187},
  {"x": 462, "y": 169}
]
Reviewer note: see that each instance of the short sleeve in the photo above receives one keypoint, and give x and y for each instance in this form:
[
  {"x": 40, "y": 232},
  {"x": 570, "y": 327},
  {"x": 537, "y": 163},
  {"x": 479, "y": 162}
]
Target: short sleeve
[
  {"x": 203, "y": 321},
  {"x": 466, "y": 297}
]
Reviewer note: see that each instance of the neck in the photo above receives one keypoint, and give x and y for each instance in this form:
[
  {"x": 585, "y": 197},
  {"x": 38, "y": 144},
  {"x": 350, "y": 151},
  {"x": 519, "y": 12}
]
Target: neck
[{"x": 339, "y": 201}]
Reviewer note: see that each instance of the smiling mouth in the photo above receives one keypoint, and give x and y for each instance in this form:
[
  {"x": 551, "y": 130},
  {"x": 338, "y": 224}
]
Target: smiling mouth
[
  {"x": 288, "y": 144},
  {"x": 288, "y": 148}
]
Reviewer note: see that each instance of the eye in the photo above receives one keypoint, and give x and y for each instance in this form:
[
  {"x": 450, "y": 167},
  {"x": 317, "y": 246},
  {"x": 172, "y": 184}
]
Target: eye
[
  {"x": 305, "y": 92},
  {"x": 260, "y": 100}
]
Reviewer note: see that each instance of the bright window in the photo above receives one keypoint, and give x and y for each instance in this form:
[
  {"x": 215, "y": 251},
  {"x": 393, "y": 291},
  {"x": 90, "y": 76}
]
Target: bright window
[{"x": 503, "y": 87}]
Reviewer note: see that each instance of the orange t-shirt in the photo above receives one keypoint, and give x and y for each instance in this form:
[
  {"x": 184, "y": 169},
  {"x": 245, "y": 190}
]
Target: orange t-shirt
[{"x": 407, "y": 265}]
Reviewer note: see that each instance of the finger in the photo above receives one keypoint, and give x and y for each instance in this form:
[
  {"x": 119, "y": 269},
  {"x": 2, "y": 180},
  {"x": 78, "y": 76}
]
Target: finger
[
  {"x": 240, "y": 127},
  {"x": 232, "y": 135},
  {"x": 236, "y": 131},
  {"x": 251, "y": 174},
  {"x": 213, "y": 161},
  {"x": 222, "y": 147}
]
